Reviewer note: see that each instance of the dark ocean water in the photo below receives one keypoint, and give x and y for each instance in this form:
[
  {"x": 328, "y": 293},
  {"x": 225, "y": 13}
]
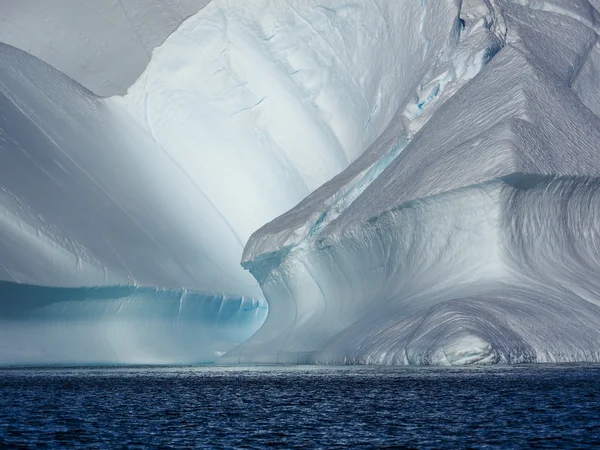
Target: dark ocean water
[{"x": 290, "y": 407}]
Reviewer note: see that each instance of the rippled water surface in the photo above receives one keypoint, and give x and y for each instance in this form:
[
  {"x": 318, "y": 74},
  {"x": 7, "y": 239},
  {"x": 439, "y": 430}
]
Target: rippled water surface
[{"x": 301, "y": 407}]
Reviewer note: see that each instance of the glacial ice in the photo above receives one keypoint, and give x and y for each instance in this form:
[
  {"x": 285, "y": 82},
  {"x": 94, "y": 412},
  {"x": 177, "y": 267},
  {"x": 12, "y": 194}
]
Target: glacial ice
[
  {"x": 81, "y": 187},
  {"x": 240, "y": 114},
  {"x": 443, "y": 158}
]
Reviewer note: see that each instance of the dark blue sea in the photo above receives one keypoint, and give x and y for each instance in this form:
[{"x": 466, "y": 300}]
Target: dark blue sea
[{"x": 300, "y": 407}]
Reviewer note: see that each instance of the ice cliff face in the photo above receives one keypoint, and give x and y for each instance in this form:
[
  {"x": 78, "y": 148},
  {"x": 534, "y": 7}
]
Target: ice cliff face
[
  {"x": 442, "y": 155},
  {"x": 121, "y": 325},
  {"x": 240, "y": 115},
  {"x": 260, "y": 106}
]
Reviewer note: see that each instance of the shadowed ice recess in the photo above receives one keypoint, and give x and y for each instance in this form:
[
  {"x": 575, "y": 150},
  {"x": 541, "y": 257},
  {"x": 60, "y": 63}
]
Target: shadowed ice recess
[{"x": 405, "y": 182}]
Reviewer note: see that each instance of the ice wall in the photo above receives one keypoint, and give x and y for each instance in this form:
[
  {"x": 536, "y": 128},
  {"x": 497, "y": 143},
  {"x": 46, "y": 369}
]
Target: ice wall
[
  {"x": 478, "y": 242},
  {"x": 443, "y": 157},
  {"x": 262, "y": 105},
  {"x": 89, "y": 199}
]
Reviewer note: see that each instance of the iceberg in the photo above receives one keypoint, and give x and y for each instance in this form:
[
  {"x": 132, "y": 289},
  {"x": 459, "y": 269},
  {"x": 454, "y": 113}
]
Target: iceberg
[
  {"x": 404, "y": 182},
  {"x": 478, "y": 242}
]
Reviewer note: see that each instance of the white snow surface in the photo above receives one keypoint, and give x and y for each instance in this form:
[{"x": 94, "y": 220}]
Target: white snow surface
[
  {"x": 103, "y": 44},
  {"x": 442, "y": 155}
]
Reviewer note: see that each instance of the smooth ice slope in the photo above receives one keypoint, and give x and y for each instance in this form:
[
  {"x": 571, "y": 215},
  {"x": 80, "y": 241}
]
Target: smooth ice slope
[
  {"x": 88, "y": 199},
  {"x": 102, "y": 44},
  {"x": 478, "y": 243},
  {"x": 81, "y": 188}
]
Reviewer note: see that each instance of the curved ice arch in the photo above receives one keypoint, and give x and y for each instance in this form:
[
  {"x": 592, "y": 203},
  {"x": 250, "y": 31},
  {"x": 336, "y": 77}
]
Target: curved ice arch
[{"x": 503, "y": 271}]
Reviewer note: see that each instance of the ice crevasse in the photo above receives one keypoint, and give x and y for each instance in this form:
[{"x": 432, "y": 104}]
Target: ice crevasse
[{"x": 442, "y": 157}]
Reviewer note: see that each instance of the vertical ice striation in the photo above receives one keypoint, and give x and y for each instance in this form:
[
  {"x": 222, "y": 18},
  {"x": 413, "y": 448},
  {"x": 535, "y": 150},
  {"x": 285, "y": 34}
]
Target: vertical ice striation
[{"x": 262, "y": 105}]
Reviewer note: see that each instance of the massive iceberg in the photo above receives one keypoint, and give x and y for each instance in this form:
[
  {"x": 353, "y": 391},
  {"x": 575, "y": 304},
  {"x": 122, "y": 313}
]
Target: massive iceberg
[{"x": 442, "y": 156}]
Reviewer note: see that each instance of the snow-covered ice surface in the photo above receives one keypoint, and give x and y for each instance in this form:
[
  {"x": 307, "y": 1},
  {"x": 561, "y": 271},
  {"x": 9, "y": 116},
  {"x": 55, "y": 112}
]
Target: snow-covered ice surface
[
  {"x": 442, "y": 155},
  {"x": 103, "y": 44}
]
